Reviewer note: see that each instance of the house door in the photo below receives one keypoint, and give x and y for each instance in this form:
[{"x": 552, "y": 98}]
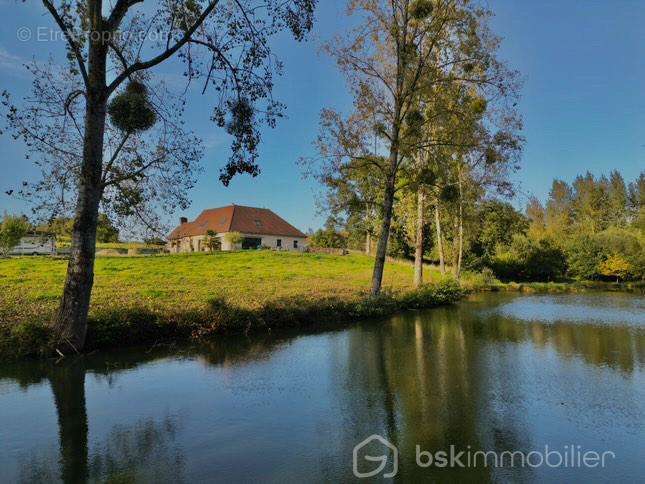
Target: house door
[{"x": 251, "y": 243}]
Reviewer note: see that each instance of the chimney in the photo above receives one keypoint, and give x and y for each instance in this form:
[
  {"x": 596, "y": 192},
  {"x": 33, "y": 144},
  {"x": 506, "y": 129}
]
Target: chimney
[{"x": 183, "y": 220}]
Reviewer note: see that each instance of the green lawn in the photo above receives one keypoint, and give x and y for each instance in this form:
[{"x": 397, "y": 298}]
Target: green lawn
[
  {"x": 154, "y": 299},
  {"x": 30, "y": 286}
]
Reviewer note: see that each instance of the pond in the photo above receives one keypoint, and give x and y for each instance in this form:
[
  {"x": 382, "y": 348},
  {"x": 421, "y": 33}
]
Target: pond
[{"x": 496, "y": 373}]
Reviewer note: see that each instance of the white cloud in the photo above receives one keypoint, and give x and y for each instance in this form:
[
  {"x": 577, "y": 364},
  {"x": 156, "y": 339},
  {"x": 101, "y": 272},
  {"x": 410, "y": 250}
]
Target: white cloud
[{"x": 13, "y": 64}]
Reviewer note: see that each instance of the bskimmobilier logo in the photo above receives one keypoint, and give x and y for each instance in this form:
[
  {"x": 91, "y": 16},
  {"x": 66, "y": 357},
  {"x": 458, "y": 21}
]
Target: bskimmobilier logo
[
  {"x": 372, "y": 456},
  {"x": 371, "y": 443}
]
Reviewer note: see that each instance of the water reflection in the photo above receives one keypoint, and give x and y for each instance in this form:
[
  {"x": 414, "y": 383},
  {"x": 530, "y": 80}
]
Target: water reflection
[
  {"x": 141, "y": 451},
  {"x": 476, "y": 376}
]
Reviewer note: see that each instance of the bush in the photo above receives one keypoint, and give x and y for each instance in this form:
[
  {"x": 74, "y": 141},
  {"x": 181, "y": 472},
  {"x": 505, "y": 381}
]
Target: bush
[
  {"x": 584, "y": 256},
  {"x": 529, "y": 260},
  {"x": 29, "y": 338},
  {"x": 328, "y": 238},
  {"x": 234, "y": 238},
  {"x": 12, "y": 229},
  {"x": 616, "y": 266},
  {"x": 545, "y": 262},
  {"x": 614, "y": 253}
]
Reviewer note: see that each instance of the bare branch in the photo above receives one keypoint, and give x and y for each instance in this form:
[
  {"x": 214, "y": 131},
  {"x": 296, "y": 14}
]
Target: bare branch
[{"x": 70, "y": 39}]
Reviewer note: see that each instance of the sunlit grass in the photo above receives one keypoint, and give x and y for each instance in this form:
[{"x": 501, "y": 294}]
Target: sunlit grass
[{"x": 30, "y": 286}]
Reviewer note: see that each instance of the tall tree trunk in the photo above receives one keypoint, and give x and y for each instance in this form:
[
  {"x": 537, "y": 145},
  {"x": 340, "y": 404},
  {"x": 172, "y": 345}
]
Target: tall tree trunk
[
  {"x": 388, "y": 198},
  {"x": 461, "y": 231},
  {"x": 368, "y": 243},
  {"x": 381, "y": 247},
  {"x": 437, "y": 222},
  {"x": 418, "y": 253},
  {"x": 71, "y": 321}
]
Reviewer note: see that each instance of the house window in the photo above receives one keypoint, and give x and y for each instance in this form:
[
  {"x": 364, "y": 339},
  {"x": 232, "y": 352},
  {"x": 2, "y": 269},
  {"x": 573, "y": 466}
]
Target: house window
[
  {"x": 278, "y": 243},
  {"x": 251, "y": 243},
  {"x": 258, "y": 223},
  {"x": 295, "y": 244}
]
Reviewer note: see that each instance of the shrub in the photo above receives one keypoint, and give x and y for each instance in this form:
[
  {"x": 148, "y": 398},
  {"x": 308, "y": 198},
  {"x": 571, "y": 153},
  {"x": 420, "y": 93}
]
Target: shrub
[
  {"x": 545, "y": 261},
  {"x": 12, "y": 230},
  {"x": 616, "y": 266},
  {"x": 529, "y": 260},
  {"x": 29, "y": 338},
  {"x": 212, "y": 241},
  {"x": 584, "y": 256},
  {"x": 328, "y": 238},
  {"x": 234, "y": 238},
  {"x": 615, "y": 253}
]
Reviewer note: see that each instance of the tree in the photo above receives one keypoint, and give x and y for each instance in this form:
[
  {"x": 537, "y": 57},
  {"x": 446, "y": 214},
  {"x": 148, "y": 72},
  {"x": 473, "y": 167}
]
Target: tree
[
  {"x": 328, "y": 237},
  {"x": 351, "y": 199},
  {"x": 212, "y": 241},
  {"x": 617, "y": 199},
  {"x": 530, "y": 260},
  {"x": 105, "y": 102},
  {"x": 615, "y": 266},
  {"x": 106, "y": 232},
  {"x": 590, "y": 203},
  {"x": 234, "y": 238},
  {"x": 536, "y": 216},
  {"x": 559, "y": 208},
  {"x": 498, "y": 224},
  {"x": 12, "y": 230},
  {"x": 636, "y": 203},
  {"x": 585, "y": 254},
  {"x": 400, "y": 48}
]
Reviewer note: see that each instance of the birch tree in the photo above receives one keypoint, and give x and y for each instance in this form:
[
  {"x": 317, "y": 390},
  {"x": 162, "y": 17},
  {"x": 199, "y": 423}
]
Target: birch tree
[{"x": 399, "y": 48}]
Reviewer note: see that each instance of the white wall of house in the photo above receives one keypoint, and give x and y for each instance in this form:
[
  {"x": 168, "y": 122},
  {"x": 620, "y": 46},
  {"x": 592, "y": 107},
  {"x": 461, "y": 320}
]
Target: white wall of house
[
  {"x": 197, "y": 243},
  {"x": 285, "y": 243}
]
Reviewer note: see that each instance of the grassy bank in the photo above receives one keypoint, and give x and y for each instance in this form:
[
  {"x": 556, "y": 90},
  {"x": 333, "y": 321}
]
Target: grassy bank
[{"x": 147, "y": 300}]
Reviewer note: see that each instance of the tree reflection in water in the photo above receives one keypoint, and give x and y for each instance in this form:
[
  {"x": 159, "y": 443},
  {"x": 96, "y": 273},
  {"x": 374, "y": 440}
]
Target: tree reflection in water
[
  {"x": 467, "y": 376},
  {"x": 143, "y": 451}
]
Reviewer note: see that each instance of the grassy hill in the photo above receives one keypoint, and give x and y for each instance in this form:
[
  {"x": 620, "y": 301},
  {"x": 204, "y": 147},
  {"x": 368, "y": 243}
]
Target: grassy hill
[{"x": 145, "y": 299}]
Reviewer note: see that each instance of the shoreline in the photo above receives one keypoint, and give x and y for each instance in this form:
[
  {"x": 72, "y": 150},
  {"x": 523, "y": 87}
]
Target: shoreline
[
  {"x": 145, "y": 301},
  {"x": 140, "y": 327},
  {"x": 122, "y": 328}
]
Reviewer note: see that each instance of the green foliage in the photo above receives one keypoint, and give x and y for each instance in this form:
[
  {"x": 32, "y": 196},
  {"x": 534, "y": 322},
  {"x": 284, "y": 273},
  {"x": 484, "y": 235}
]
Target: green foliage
[
  {"x": 588, "y": 255},
  {"x": 204, "y": 295},
  {"x": 584, "y": 255},
  {"x": 421, "y": 9},
  {"x": 616, "y": 266},
  {"x": 27, "y": 338},
  {"x": 449, "y": 193},
  {"x": 529, "y": 260},
  {"x": 212, "y": 241},
  {"x": 497, "y": 223},
  {"x": 106, "y": 232},
  {"x": 12, "y": 230},
  {"x": 130, "y": 111},
  {"x": 234, "y": 238},
  {"x": 61, "y": 226},
  {"x": 328, "y": 238},
  {"x": 598, "y": 221}
]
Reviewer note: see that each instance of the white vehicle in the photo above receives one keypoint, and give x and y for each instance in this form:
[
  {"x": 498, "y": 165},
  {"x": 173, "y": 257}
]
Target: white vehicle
[{"x": 36, "y": 244}]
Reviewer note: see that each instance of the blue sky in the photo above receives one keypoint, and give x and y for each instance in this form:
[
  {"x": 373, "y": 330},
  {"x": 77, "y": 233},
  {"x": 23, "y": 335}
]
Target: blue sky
[{"x": 583, "y": 101}]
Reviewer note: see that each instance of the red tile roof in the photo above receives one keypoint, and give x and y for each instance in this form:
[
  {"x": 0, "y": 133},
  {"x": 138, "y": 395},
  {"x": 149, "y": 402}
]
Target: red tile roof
[{"x": 236, "y": 218}]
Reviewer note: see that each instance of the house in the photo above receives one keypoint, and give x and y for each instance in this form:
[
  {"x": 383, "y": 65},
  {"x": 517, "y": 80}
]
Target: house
[
  {"x": 258, "y": 227},
  {"x": 36, "y": 243}
]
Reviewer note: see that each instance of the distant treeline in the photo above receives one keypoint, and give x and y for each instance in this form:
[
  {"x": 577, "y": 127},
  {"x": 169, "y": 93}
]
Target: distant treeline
[{"x": 591, "y": 229}]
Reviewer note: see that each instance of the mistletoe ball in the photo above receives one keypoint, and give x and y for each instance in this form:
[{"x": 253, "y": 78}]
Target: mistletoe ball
[{"x": 130, "y": 111}]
